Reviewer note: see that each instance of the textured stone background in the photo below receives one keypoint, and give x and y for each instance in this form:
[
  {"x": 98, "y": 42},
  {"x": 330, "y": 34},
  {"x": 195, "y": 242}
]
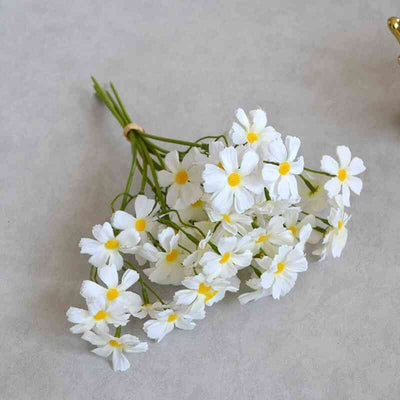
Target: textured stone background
[{"x": 325, "y": 71}]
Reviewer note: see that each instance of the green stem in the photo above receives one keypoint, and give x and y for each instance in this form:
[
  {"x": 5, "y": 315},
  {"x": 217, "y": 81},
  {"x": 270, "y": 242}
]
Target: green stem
[
  {"x": 318, "y": 172},
  {"x": 118, "y": 332},
  {"x": 308, "y": 184},
  {"x": 131, "y": 172},
  {"x": 176, "y": 141}
]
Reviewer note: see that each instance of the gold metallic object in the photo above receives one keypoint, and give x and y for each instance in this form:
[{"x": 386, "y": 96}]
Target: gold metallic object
[{"x": 394, "y": 26}]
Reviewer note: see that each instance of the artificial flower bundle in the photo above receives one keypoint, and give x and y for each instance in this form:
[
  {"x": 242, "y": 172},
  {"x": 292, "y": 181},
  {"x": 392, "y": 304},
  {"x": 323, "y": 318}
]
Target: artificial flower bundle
[{"x": 219, "y": 205}]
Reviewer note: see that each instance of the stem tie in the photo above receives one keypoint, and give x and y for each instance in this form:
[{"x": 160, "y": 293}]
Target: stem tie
[{"x": 131, "y": 127}]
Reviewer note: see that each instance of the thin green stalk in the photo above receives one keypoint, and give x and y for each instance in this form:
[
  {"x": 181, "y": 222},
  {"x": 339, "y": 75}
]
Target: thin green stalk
[
  {"x": 176, "y": 141},
  {"x": 154, "y": 174},
  {"x": 127, "y": 117},
  {"x": 318, "y": 172},
  {"x": 131, "y": 172},
  {"x": 266, "y": 193},
  {"x": 118, "y": 332},
  {"x": 308, "y": 184}
]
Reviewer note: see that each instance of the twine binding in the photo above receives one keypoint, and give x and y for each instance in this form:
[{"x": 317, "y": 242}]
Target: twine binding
[{"x": 130, "y": 127}]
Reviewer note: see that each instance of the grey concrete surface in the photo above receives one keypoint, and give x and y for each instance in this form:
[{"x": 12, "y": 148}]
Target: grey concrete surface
[{"x": 325, "y": 71}]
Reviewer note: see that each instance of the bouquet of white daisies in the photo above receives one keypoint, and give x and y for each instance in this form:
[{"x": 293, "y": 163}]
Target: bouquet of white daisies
[{"x": 219, "y": 205}]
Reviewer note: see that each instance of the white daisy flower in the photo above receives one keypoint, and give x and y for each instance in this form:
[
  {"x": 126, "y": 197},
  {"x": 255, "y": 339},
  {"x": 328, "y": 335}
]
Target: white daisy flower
[
  {"x": 106, "y": 248},
  {"x": 280, "y": 178},
  {"x": 299, "y": 228},
  {"x": 234, "y": 255},
  {"x": 281, "y": 271},
  {"x": 200, "y": 292},
  {"x": 182, "y": 179},
  {"x": 148, "y": 309},
  {"x": 257, "y": 293},
  {"x": 165, "y": 322},
  {"x": 107, "y": 345},
  {"x": 313, "y": 201},
  {"x": 255, "y": 133},
  {"x": 193, "y": 212},
  {"x": 143, "y": 222},
  {"x": 271, "y": 236},
  {"x": 231, "y": 185},
  {"x": 231, "y": 222},
  {"x": 99, "y": 314},
  {"x": 336, "y": 236},
  {"x": 168, "y": 267},
  {"x": 345, "y": 174},
  {"x": 113, "y": 291}
]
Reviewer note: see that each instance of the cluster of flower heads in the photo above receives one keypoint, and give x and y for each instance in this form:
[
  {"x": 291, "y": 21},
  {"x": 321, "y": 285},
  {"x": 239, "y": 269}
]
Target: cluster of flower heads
[{"x": 246, "y": 203}]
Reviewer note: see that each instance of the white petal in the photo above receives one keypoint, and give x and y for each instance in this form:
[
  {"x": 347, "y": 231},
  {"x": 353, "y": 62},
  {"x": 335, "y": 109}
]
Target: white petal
[
  {"x": 90, "y": 246},
  {"x": 293, "y": 146},
  {"x": 117, "y": 260},
  {"x": 92, "y": 289},
  {"x": 259, "y": 120},
  {"x": 128, "y": 239},
  {"x": 297, "y": 166},
  {"x": 99, "y": 233},
  {"x": 346, "y": 195},
  {"x": 103, "y": 351},
  {"x": 356, "y": 166},
  {"x": 344, "y": 155},
  {"x": 330, "y": 165},
  {"x": 93, "y": 338},
  {"x": 229, "y": 159},
  {"x": 278, "y": 150},
  {"x": 243, "y": 200},
  {"x": 173, "y": 195},
  {"x": 355, "y": 184},
  {"x": 249, "y": 162},
  {"x": 143, "y": 206},
  {"x": 128, "y": 279},
  {"x": 242, "y": 117},
  {"x": 238, "y": 134},
  {"x": 165, "y": 178},
  {"x": 270, "y": 173},
  {"x": 77, "y": 315},
  {"x": 214, "y": 178},
  {"x": 109, "y": 276},
  {"x": 120, "y": 362},
  {"x": 333, "y": 187},
  {"x": 222, "y": 201},
  {"x": 172, "y": 161},
  {"x": 122, "y": 220},
  {"x": 284, "y": 188}
]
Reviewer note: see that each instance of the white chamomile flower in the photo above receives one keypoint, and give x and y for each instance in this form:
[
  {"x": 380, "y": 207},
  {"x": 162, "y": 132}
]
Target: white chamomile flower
[
  {"x": 313, "y": 201},
  {"x": 113, "y": 291},
  {"x": 255, "y": 133},
  {"x": 231, "y": 222},
  {"x": 232, "y": 186},
  {"x": 165, "y": 322},
  {"x": 258, "y": 291},
  {"x": 193, "y": 259},
  {"x": 107, "y": 345},
  {"x": 168, "y": 267},
  {"x": 143, "y": 222},
  {"x": 99, "y": 314},
  {"x": 149, "y": 309},
  {"x": 281, "y": 271},
  {"x": 200, "y": 292},
  {"x": 193, "y": 212},
  {"x": 344, "y": 172},
  {"x": 336, "y": 236},
  {"x": 271, "y": 236},
  {"x": 182, "y": 179},
  {"x": 106, "y": 248},
  {"x": 281, "y": 178},
  {"x": 234, "y": 255},
  {"x": 299, "y": 228}
]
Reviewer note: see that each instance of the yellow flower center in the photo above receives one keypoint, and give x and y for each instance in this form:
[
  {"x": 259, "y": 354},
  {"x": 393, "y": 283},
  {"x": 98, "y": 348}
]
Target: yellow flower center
[
  {"x": 280, "y": 268},
  {"x": 225, "y": 258},
  {"x": 112, "y": 244},
  {"x": 206, "y": 291},
  {"x": 112, "y": 294},
  {"x": 197, "y": 203},
  {"x": 234, "y": 179},
  {"x": 140, "y": 224},
  {"x": 262, "y": 238},
  {"x": 172, "y": 256},
  {"x": 100, "y": 315},
  {"x": 293, "y": 229},
  {"x": 284, "y": 168},
  {"x": 226, "y": 217},
  {"x": 114, "y": 343},
  {"x": 342, "y": 174},
  {"x": 172, "y": 317},
  {"x": 340, "y": 224},
  {"x": 220, "y": 165},
  {"x": 181, "y": 177},
  {"x": 252, "y": 137}
]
